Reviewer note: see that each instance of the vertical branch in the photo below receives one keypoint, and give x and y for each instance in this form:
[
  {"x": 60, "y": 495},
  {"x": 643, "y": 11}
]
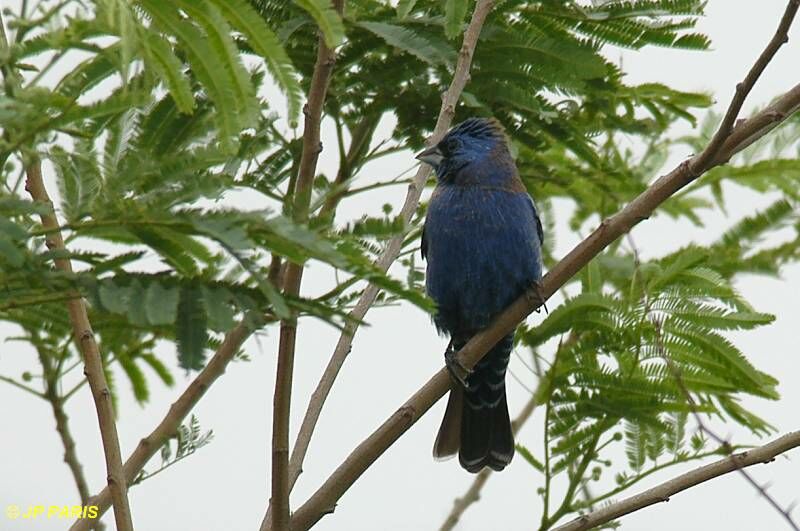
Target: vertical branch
[
  {"x": 301, "y": 198},
  {"x": 93, "y": 365},
  {"x": 62, "y": 424},
  {"x": 392, "y": 249}
]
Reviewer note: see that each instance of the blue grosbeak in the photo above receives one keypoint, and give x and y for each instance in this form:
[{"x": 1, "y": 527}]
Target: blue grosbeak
[{"x": 482, "y": 241}]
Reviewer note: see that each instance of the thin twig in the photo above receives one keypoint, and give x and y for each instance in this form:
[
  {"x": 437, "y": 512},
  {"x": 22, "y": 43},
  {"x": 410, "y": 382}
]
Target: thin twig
[
  {"x": 361, "y": 136},
  {"x": 301, "y": 198},
  {"x": 93, "y": 365},
  {"x": 150, "y": 444},
  {"x": 324, "y": 499},
  {"x": 780, "y": 38},
  {"x": 18, "y": 385},
  {"x": 392, "y": 250},
  {"x": 460, "y": 505},
  {"x": 663, "y": 492}
]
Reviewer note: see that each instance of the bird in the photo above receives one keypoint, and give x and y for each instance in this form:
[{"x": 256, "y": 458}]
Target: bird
[{"x": 481, "y": 240}]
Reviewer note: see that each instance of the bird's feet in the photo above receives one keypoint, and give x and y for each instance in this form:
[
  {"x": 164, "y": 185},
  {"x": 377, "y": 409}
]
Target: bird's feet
[
  {"x": 458, "y": 373},
  {"x": 536, "y": 295}
]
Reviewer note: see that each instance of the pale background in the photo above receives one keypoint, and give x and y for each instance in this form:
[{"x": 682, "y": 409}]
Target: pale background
[{"x": 225, "y": 485}]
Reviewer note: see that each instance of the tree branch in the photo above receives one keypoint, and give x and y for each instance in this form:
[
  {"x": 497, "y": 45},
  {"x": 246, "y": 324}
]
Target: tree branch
[
  {"x": 780, "y": 37},
  {"x": 149, "y": 445},
  {"x": 93, "y": 365},
  {"x": 320, "y": 79},
  {"x": 62, "y": 424},
  {"x": 662, "y": 492},
  {"x": 390, "y": 253},
  {"x": 743, "y": 134}
]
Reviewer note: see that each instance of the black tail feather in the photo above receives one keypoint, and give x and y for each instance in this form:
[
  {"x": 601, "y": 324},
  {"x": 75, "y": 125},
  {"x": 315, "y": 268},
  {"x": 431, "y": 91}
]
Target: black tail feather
[
  {"x": 448, "y": 440},
  {"x": 486, "y": 437}
]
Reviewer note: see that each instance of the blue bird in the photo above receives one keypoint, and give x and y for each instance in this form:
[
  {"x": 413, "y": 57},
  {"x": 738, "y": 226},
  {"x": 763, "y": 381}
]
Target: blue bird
[{"x": 482, "y": 242}]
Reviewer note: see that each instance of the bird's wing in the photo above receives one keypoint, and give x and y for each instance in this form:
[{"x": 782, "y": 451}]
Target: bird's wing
[
  {"x": 423, "y": 246},
  {"x": 539, "y": 228}
]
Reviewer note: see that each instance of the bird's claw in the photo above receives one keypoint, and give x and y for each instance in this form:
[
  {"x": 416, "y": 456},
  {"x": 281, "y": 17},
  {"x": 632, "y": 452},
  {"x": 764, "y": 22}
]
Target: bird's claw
[
  {"x": 536, "y": 295},
  {"x": 458, "y": 373}
]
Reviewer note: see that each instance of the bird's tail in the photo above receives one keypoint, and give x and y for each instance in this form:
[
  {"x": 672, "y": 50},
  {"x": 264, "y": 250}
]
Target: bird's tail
[{"x": 476, "y": 423}]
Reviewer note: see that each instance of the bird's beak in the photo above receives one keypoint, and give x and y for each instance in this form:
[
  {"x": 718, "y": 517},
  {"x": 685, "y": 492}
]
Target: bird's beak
[{"x": 431, "y": 156}]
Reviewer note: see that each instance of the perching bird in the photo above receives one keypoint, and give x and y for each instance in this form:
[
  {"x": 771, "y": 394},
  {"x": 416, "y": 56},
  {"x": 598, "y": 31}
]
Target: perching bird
[{"x": 482, "y": 241}]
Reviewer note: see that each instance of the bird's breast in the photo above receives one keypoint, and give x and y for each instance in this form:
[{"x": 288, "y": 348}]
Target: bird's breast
[{"x": 482, "y": 250}]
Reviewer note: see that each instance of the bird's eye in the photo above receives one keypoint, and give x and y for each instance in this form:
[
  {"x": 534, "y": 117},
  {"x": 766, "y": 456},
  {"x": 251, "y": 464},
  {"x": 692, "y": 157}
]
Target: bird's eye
[{"x": 451, "y": 145}]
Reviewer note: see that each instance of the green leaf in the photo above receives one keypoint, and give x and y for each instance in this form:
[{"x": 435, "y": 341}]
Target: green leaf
[
  {"x": 212, "y": 66},
  {"x": 326, "y": 18},
  {"x": 218, "y": 309},
  {"x": 405, "y": 39},
  {"x": 218, "y": 35},
  {"x": 159, "y": 368},
  {"x": 454, "y": 13},
  {"x": 160, "y": 56},
  {"x": 244, "y": 18},
  {"x": 162, "y": 241},
  {"x": 563, "y": 318},
  {"x": 528, "y": 456},
  {"x": 79, "y": 182},
  {"x": 191, "y": 329},
  {"x": 135, "y": 376},
  {"x": 404, "y": 7},
  {"x": 161, "y": 304},
  {"x": 113, "y": 297}
]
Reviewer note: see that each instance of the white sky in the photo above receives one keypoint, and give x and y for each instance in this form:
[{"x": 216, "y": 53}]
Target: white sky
[{"x": 225, "y": 485}]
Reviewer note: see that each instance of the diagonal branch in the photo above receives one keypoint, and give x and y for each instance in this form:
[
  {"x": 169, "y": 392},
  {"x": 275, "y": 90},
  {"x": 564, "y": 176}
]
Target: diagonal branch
[
  {"x": 150, "y": 444},
  {"x": 93, "y": 365},
  {"x": 662, "y": 492},
  {"x": 741, "y": 135},
  {"x": 392, "y": 250},
  {"x": 320, "y": 79}
]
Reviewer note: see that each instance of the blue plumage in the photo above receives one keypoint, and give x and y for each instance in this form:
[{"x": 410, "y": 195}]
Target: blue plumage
[{"x": 482, "y": 241}]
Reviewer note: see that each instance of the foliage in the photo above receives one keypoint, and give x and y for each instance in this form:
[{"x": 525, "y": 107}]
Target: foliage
[
  {"x": 188, "y": 439},
  {"x": 639, "y": 336}
]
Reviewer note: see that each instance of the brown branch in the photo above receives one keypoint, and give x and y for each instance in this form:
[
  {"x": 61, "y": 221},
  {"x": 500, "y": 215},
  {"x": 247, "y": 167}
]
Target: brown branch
[
  {"x": 390, "y": 253},
  {"x": 662, "y": 492},
  {"x": 93, "y": 365},
  {"x": 780, "y": 37},
  {"x": 62, "y": 424},
  {"x": 152, "y": 443},
  {"x": 473, "y": 494},
  {"x": 320, "y": 79},
  {"x": 324, "y": 499}
]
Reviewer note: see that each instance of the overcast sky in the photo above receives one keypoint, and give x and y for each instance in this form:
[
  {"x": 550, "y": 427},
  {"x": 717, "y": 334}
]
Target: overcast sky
[{"x": 225, "y": 485}]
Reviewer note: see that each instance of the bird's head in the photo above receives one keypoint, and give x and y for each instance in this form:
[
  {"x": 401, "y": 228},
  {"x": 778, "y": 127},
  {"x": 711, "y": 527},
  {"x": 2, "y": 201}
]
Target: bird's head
[{"x": 469, "y": 143}]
